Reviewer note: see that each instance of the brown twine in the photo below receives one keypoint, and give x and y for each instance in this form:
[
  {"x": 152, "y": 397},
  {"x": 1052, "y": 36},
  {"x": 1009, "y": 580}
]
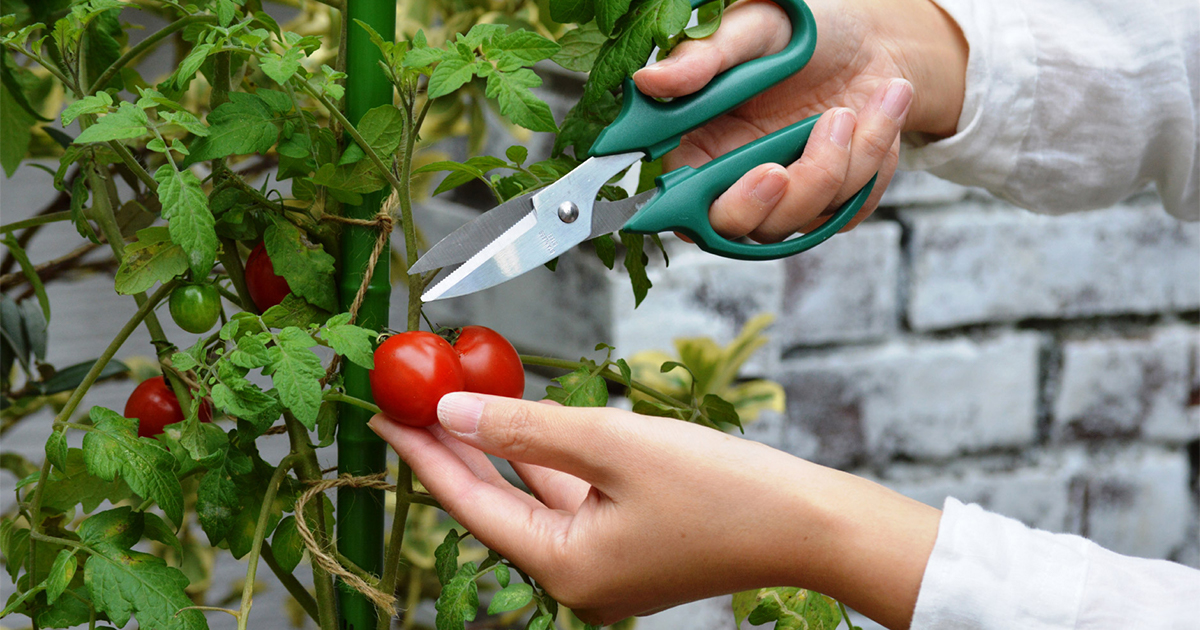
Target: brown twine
[
  {"x": 385, "y": 222},
  {"x": 384, "y": 601}
]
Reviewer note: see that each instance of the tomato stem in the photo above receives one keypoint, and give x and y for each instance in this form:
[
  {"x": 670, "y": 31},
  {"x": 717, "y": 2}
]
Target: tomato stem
[
  {"x": 260, "y": 532},
  {"x": 605, "y": 372}
]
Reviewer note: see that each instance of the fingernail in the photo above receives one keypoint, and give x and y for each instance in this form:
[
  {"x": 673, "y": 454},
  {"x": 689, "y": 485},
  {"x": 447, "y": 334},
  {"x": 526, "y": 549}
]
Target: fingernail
[
  {"x": 897, "y": 99},
  {"x": 665, "y": 63},
  {"x": 459, "y": 412},
  {"x": 371, "y": 424},
  {"x": 770, "y": 186},
  {"x": 843, "y": 128}
]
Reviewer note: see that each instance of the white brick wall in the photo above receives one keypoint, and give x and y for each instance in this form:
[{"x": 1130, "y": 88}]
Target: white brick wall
[{"x": 985, "y": 262}]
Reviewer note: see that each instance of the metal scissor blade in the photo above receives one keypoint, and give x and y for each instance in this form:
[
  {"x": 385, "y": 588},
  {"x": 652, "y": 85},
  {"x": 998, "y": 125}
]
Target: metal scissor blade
[
  {"x": 540, "y": 235},
  {"x": 462, "y": 243},
  {"x": 609, "y": 216}
]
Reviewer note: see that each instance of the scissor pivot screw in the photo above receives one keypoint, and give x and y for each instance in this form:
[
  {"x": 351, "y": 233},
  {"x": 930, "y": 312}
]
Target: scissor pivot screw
[{"x": 568, "y": 212}]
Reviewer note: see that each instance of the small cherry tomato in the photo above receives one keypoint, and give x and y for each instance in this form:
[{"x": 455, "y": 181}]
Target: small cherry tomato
[
  {"x": 266, "y": 288},
  {"x": 195, "y": 307},
  {"x": 154, "y": 406},
  {"x": 413, "y": 370},
  {"x": 490, "y": 363}
]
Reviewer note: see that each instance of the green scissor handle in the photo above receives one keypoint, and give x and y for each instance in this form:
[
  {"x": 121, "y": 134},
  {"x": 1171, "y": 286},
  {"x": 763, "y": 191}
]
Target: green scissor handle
[
  {"x": 655, "y": 127},
  {"x": 685, "y": 194}
]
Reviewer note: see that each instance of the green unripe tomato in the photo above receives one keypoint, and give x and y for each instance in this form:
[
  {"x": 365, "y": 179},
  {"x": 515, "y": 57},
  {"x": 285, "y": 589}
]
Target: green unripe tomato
[{"x": 195, "y": 307}]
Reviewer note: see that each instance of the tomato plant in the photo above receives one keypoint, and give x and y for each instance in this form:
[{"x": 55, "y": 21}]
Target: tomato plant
[
  {"x": 195, "y": 307},
  {"x": 413, "y": 370},
  {"x": 490, "y": 363},
  {"x": 266, "y": 289},
  {"x": 160, "y": 174},
  {"x": 154, "y": 406}
]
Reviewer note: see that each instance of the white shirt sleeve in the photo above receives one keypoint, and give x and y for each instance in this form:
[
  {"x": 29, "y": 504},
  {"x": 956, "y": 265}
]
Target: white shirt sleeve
[
  {"x": 989, "y": 572},
  {"x": 1075, "y": 104}
]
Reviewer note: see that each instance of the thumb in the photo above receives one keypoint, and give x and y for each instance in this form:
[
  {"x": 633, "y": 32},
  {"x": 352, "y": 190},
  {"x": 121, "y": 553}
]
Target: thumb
[{"x": 588, "y": 443}]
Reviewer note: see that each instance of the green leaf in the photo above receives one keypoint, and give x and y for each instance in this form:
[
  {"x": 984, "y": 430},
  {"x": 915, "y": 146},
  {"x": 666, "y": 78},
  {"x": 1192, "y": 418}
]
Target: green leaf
[
  {"x": 123, "y": 583},
  {"x": 60, "y": 574},
  {"x": 96, "y": 104},
  {"x": 152, "y": 258},
  {"x": 584, "y": 122},
  {"x": 503, "y": 575},
  {"x": 572, "y": 11},
  {"x": 450, "y": 75},
  {"x": 519, "y": 104},
  {"x": 648, "y": 23},
  {"x": 121, "y": 527},
  {"x": 73, "y": 485},
  {"x": 56, "y": 449},
  {"x": 579, "y": 47},
  {"x": 286, "y": 544},
  {"x": 522, "y": 48},
  {"x": 294, "y": 311},
  {"x": 157, "y": 529},
  {"x": 383, "y": 129},
  {"x": 242, "y": 126},
  {"x": 191, "y": 224},
  {"x": 580, "y": 388},
  {"x": 541, "y": 623},
  {"x": 15, "y": 125},
  {"x": 635, "y": 263},
  {"x": 422, "y": 57},
  {"x": 216, "y": 503},
  {"x": 283, "y": 67},
  {"x": 608, "y": 12},
  {"x": 297, "y": 371},
  {"x": 511, "y": 598},
  {"x": 308, "y": 269},
  {"x": 461, "y": 173},
  {"x": 113, "y": 448},
  {"x": 459, "y": 600},
  {"x": 719, "y": 411},
  {"x": 446, "y": 557},
  {"x": 708, "y": 18},
  {"x": 35, "y": 281},
  {"x": 190, "y": 65},
  {"x": 127, "y": 122},
  {"x": 517, "y": 154},
  {"x": 353, "y": 342}
]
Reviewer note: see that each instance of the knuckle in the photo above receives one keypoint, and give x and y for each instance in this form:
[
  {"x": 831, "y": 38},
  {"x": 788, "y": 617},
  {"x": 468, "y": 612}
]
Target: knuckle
[
  {"x": 823, "y": 177},
  {"x": 878, "y": 144},
  {"x": 514, "y": 435}
]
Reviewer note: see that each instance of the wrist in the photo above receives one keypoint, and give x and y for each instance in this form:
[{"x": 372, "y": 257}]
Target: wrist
[
  {"x": 932, "y": 53},
  {"x": 860, "y": 543}
]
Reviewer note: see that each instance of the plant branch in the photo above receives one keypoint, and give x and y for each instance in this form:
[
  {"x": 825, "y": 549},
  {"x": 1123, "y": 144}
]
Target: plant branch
[
  {"x": 260, "y": 532},
  {"x": 607, "y": 373},
  {"x": 290, "y": 583},
  {"x": 351, "y": 400},
  {"x": 52, "y": 267},
  {"x": 143, "y": 46},
  {"x": 53, "y": 217},
  {"x": 232, "y": 261}
]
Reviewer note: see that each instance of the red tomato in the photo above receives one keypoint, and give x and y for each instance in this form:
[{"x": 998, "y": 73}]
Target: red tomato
[
  {"x": 266, "y": 288},
  {"x": 490, "y": 363},
  {"x": 154, "y": 406},
  {"x": 413, "y": 370}
]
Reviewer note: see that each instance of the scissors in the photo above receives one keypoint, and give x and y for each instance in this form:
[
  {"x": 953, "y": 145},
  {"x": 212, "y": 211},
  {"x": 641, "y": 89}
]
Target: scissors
[{"x": 527, "y": 231}]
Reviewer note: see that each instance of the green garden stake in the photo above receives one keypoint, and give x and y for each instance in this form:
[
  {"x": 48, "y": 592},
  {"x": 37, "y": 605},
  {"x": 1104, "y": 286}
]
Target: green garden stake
[{"x": 360, "y": 511}]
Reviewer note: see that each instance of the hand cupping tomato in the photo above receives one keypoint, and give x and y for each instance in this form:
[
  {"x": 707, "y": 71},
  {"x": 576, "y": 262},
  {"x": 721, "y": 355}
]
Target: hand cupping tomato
[
  {"x": 413, "y": 370},
  {"x": 266, "y": 288},
  {"x": 195, "y": 307},
  {"x": 154, "y": 406}
]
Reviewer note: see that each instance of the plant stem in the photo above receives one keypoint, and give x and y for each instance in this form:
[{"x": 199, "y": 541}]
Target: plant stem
[
  {"x": 134, "y": 166},
  {"x": 411, "y": 130},
  {"x": 53, "y": 217},
  {"x": 143, "y": 46},
  {"x": 232, "y": 261},
  {"x": 290, "y": 583},
  {"x": 351, "y": 400},
  {"x": 607, "y": 373},
  {"x": 260, "y": 532},
  {"x": 308, "y": 469},
  {"x": 72, "y": 403},
  {"x": 413, "y": 597}
]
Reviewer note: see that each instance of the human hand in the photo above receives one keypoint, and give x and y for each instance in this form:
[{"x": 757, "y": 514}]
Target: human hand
[
  {"x": 880, "y": 67},
  {"x": 632, "y": 514}
]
